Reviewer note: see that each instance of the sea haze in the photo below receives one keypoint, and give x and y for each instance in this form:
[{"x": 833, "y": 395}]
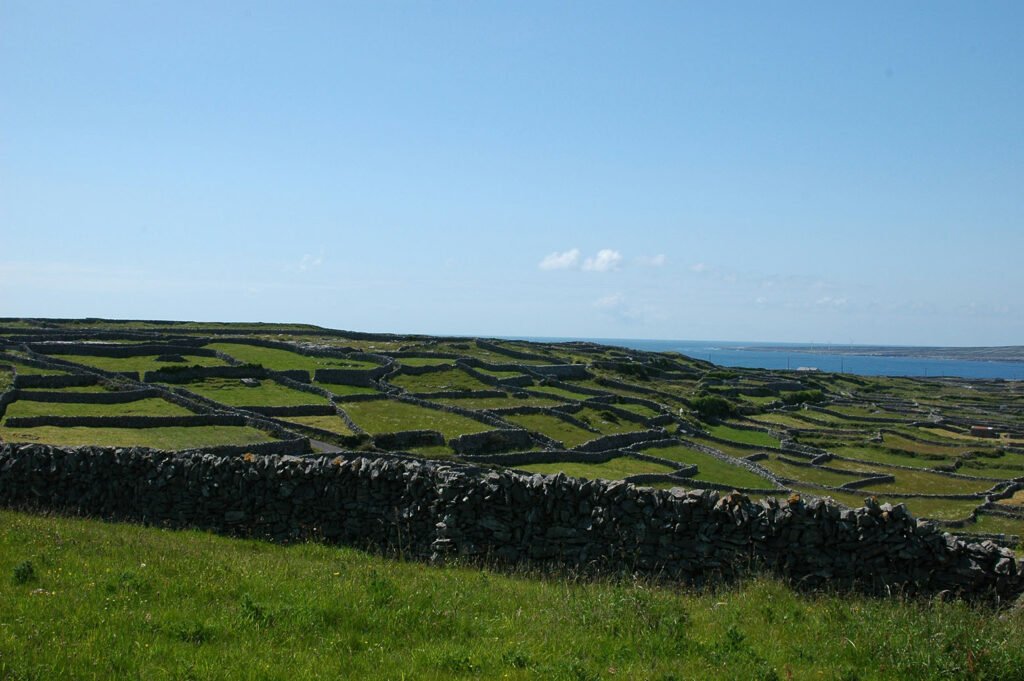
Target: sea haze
[{"x": 796, "y": 355}]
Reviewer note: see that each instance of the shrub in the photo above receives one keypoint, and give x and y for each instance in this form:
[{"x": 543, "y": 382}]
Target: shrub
[
  {"x": 24, "y": 572},
  {"x": 804, "y": 397},
  {"x": 712, "y": 407}
]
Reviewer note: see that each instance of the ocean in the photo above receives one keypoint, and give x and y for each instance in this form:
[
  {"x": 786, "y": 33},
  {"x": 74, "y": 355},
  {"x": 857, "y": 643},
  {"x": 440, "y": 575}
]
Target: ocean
[{"x": 754, "y": 355}]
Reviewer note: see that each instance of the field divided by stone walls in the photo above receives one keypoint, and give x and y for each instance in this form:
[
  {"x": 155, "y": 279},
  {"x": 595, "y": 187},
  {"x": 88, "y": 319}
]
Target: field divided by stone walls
[{"x": 584, "y": 410}]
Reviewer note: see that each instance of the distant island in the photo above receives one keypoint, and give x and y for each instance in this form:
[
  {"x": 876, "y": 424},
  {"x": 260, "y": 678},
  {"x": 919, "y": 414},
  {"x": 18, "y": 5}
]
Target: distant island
[{"x": 1006, "y": 353}]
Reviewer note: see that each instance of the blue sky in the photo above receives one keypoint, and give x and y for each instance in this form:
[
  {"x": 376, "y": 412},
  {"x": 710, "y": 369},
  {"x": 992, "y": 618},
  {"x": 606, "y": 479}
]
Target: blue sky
[{"x": 732, "y": 171}]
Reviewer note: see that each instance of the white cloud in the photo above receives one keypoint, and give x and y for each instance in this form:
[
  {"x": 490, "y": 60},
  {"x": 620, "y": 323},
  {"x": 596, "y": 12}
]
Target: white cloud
[
  {"x": 829, "y": 301},
  {"x": 622, "y": 310},
  {"x": 310, "y": 262},
  {"x": 606, "y": 260},
  {"x": 560, "y": 261},
  {"x": 611, "y": 302},
  {"x": 699, "y": 267},
  {"x": 652, "y": 261}
]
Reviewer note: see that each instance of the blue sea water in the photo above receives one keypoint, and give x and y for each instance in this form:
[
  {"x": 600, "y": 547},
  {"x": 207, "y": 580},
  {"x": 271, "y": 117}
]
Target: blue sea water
[{"x": 755, "y": 355}]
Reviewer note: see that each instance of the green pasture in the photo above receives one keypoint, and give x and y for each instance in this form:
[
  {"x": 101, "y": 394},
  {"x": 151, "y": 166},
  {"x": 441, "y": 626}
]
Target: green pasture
[
  {"x": 608, "y": 422},
  {"x": 887, "y": 456},
  {"x": 499, "y": 373},
  {"x": 425, "y": 361},
  {"x": 553, "y": 427},
  {"x": 556, "y": 392},
  {"x": 996, "y": 524},
  {"x": 758, "y": 400},
  {"x": 82, "y": 599},
  {"x": 276, "y": 359},
  {"x": 749, "y": 437},
  {"x": 333, "y": 424},
  {"x": 738, "y": 452},
  {"x": 439, "y": 381},
  {"x": 917, "y": 447},
  {"x": 174, "y": 437},
  {"x": 925, "y": 482},
  {"x": 813, "y": 474},
  {"x": 390, "y": 416},
  {"x": 95, "y": 388},
  {"x": 268, "y": 393},
  {"x": 711, "y": 469},
  {"x": 484, "y": 403},
  {"x": 151, "y": 406},
  {"x": 781, "y": 419},
  {"x": 639, "y": 409},
  {"x": 140, "y": 364},
  {"x": 341, "y": 390},
  {"x": 27, "y": 369},
  {"x": 613, "y": 469}
]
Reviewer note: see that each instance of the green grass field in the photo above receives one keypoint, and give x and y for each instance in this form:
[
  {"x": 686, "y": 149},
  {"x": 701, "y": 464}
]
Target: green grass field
[
  {"x": 281, "y": 360},
  {"x": 886, "y": 456},
  {"x": 996, "y": 524},
  {"x": 639, "y": 409},
  {"x": 557, "y": 392},
  {"x": 482, "y": 403},
  {"x": 917, "y": 447},
  {"x": 425, "y": 361},
  {"x": 173, "y": 437},
  {"x": 333, "y": 424},
  {"x": 391, "y": 416},
  {"x": 738, "y": 452},
  {"x": 925, "y": 482},
  {"x": 812, "y": 474},
  {"x": 151, "y": 406},
  {"x": 342, "y": 390},
  {"x": 781, "y": 419},
  {"x": 758, "y": 400},
  {"x": 140, "y": 364},
  {"x": 26, "y": 369},
  {"x": 607, "y": 422},
  {"x": 269, "y": 393},
  {"x": 710, "y": 469},
  {"x": 749, "y": 437},
  {"x": 440, "y": 381},
  {"x": 96, "y": 388},
  {"x": 613, "y": 469},
  {"x": 554, "y": 428},
  {"x": 119, "y": 601},
  {"x": 499, "y": 373}
]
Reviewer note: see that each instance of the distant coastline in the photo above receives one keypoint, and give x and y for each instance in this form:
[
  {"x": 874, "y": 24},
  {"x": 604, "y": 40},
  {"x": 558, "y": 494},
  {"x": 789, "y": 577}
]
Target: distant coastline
[
  {"x": 1007, "y": 353},
  {"x": 875, "y": 360}
]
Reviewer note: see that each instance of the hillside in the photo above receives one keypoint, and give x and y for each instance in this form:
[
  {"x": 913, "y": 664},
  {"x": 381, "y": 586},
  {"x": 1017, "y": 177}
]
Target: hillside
[
  {"x": 121, "y": 601},
  {"x": 588, "y": 410},
  {"x": 296, "y": 409}
]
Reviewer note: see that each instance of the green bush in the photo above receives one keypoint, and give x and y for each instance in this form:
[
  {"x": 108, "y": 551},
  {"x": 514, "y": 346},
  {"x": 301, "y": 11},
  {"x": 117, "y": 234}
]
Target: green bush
[
  {"x": 24, "y": 573},
  {"x": 712, "y": 407},
  {"x": 804, "y": 397}
]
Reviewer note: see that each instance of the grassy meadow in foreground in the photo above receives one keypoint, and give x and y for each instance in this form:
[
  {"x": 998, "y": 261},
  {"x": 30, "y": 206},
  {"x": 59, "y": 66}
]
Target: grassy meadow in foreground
[{"x": 85, "y": 599}]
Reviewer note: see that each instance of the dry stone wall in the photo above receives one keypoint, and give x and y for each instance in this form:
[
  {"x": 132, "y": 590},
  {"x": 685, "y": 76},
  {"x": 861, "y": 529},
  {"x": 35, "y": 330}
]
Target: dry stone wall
[{"x": 432, "y": 511}]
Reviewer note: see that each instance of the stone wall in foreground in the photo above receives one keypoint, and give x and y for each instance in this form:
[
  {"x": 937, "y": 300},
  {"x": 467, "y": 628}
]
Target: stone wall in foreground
[{"x": 427, "y": 509}]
